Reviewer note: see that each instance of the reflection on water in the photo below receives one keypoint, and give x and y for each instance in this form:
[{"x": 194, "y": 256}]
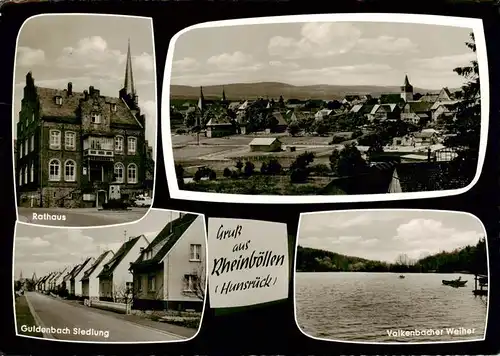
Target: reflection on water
[{"x": 354, "y": 306}]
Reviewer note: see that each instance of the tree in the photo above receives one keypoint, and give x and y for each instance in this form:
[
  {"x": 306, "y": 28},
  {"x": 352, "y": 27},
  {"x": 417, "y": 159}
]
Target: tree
[
  {"x": 249, "y": 168},
  {"x": 348, "y": 161},
  {"x": 281, "y": 102},
  {"x": 293, "y": 128},
  {"x": 239, "y": 165},
  {"x": 464, "y": 131},
  {"x": 299, "y": 169},
  {"x": 191, "y": 119},
  {"x": 196, "y": 282},
  {"x": 179, "y": 173},
  {"x": 227, "y": 172}
]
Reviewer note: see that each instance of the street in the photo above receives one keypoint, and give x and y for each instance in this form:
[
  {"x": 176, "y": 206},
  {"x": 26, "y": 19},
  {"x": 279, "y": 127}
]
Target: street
[
  {"x": 59, "y": 314},
  {"x": 79, "y": 217}
]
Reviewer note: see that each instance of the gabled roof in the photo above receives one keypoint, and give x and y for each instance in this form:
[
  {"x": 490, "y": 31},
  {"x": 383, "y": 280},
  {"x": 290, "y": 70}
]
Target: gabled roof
[
  {"x": 122, "y": 252},
  {"x": 279, "y": 117},
  {"x": 167, "y": 237},
  {"x": 71, "y": 103},
  {"x": 220, "y": 120},
  {"x": 419, "y": 106},
  {"x": 263, "y": 141},
  {"x": 80, "y": 267},
  {"x": 356, "y": 108},
  {"x": 430, "y": 98},
  {"x": 96, "y": 264}
]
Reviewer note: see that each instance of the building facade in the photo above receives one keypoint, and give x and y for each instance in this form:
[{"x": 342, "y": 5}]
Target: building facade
[{"x": 79, "y": 149}]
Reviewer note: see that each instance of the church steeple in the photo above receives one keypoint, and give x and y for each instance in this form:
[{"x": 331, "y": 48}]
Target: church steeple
[
  {"x": 128, "y": 83},
  {"x": 407, "y": 90},
  {"x": 223, "y": 94},
  {"x": 201, "y": 100}
]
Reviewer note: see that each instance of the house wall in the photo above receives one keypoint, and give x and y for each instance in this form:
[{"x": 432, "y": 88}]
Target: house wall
[
  {"x": 266, "y": 148},
  {"x": 93, "y": 282},
  {"x": 141, "y": 285},
  {"x": 220, "y": 130},
  {"x": 177, "y": 264},
  {"x": 121, "y": 274}
]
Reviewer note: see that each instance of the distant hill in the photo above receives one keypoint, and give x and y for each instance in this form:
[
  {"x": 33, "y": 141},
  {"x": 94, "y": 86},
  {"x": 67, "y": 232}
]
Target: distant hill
[{"x": 239, "y": 91}]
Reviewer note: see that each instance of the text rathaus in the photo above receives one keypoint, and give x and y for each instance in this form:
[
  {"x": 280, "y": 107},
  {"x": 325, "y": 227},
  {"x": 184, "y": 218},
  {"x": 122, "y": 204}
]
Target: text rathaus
[{"x": 77, "y": 149}]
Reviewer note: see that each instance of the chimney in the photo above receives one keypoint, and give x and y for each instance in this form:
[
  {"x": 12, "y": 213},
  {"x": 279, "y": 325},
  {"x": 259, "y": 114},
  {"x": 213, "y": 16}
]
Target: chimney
[
  {"x": 86, "y": 94},
  {"x": 91, "y": 90},
  {"x": 70, "y": 89},
  {"x": 428, "y": 154}
]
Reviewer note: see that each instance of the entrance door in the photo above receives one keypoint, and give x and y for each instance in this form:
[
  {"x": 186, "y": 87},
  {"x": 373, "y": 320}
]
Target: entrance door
[{"x": 102, "y": 198}]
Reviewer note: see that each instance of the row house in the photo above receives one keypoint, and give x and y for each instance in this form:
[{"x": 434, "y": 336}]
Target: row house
[{"x": 165, "y": 273}]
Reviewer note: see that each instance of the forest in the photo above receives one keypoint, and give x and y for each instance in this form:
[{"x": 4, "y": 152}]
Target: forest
[{"x": 467, "y": 259}]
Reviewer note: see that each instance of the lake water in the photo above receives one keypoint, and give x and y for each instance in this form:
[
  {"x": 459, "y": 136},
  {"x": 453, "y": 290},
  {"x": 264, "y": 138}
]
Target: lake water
[{"x": 363, "y": 307}]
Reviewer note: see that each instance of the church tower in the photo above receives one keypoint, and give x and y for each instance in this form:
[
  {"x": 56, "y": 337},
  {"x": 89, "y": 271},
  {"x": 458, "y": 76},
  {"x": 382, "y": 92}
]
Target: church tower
[
  {"x": 128, "y": 93},
  {"x": 407, "y": 90}
]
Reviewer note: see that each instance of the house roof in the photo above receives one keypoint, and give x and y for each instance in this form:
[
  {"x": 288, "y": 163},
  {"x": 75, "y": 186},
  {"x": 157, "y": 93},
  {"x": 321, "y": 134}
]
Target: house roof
[
  {"x": 220, "y": 120},
  {"x": 356, "y": 108},
  {"x": 71, "y": 103},
  {"x": 168, "y": 236},
  {"x": 419, "y": 106},
  {"x": 96, "y": 264},
  {"x": 263, "y": 141},
  {"x": 424, "y": 134},
  {"x": 81, "y": 266},
  {"x": 431, "y": 98},
  {"x": 118, "y": 257},
  {"x": 279, "y": 116}
]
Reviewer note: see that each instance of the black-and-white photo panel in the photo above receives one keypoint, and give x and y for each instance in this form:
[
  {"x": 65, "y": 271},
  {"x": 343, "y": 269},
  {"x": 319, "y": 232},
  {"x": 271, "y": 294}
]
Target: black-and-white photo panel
[
  {"x": 392, "y": 276},
  {"x": 140, "y": 282},
  {"x": 85, "y": 117},
  {"x": 325, "y": 108}
]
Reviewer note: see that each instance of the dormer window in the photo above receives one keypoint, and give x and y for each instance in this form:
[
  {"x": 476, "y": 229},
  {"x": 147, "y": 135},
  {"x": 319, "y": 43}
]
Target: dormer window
[
  {"x": 95, "y": 118},
  {"x": 59, "y": 100}
]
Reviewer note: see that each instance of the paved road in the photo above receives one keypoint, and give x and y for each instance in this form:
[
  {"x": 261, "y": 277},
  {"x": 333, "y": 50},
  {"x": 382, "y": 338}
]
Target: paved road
[
  {"x": 59, "y": 314},
  {"x": 80, "y": 217}
]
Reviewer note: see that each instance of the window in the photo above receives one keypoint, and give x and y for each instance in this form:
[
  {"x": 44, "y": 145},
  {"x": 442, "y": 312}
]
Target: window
[
  {"x": 55, "y": 139},
  {"x": 195, "y": 253},
  {"x": 32, "y": 146},
  {"x": 113, "y": 107},
  {"x": 26, "y": 175},
  {"x": 32, "y": 173},
  {"x": 132, "y": 173},
  {"x": 95, "y": 118},
  {"x": 119, "y": 172},
  {"x": 69, "y": 140},
  {"x": 26, "y": 147},
  {"x": 20, "y": 177},
  {"x": 21, "y": 150},
  {"x": 32, "y": 117},
  {"x": 58, "y": 100},
  {"x": 131, "y": 145},
  {"x": 129, "y": 286},
  {"x": 70, "y": 171},
  {"x": 189, "y": 282},
  {"x": 54, "y": 170},
  {"x": 151, "y": 283},
  {"x": 119, "y": 143}
]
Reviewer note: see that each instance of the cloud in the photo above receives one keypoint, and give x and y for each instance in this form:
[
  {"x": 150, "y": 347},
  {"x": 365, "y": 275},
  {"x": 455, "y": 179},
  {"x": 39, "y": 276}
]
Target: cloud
[
  {"x": 186, "y": 64},
  {"x": 442, "y": 63},
  {"x": 317, "y": 40},
  {"x": 28, "y": 57},
  {"x": 283, "y": 65},
  {"x": 92, "y": 54},
  {"x": 384, "y": 236},
  {"x": 433, "y": 233},
  {"x": 386, "y": 45},
  {"x": 233, "y": 61}
]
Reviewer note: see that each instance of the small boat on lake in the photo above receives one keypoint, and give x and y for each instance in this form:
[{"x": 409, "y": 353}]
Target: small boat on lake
[
  {"x": 401, "y": 276},
  {"x": 455, "y": 283}
]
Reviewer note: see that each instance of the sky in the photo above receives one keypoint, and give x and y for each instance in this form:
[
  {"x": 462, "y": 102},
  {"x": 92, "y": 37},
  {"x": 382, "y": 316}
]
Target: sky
[
  {"x": 384, "y": 235},
  {"x": 88, "y": 50},
  {"x": 348, "y": 53},
  {"x": 44, "y": 249}
]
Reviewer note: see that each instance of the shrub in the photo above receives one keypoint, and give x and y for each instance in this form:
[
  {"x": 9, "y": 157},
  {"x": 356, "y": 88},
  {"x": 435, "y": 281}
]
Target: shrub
[
  {"x": 299, "y": 175},
  {"x": 212, "y": 175},
  {"x": 249, "y": 168},
  {"x": 180, "y": 131},
  {"x": 234, "y": 175},
  {"x": 321, "y": 169},
  {"x": 198, "y": 175},
  {"x": 274, "y": 167},
  {"x": 336, "y": 140},
  {"x": 227, "y": 172}
]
